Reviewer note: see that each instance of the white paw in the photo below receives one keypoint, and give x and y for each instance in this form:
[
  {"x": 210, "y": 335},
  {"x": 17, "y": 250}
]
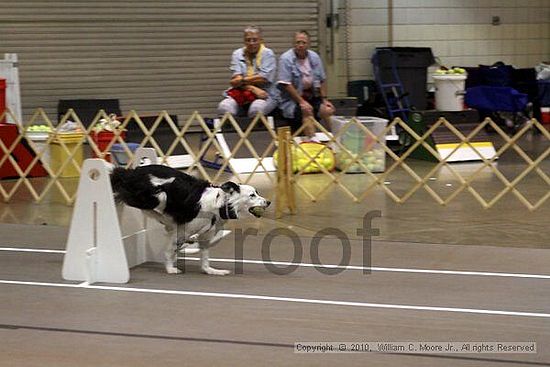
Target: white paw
[
  {"x": 211, "y": 271},
  {"x": 172, "y": 270}
]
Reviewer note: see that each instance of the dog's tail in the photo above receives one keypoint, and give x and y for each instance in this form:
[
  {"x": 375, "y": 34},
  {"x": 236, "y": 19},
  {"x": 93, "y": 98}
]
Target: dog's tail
[
  {"x": 133, "y": 188},
  {"x": 118, "y": 176}
]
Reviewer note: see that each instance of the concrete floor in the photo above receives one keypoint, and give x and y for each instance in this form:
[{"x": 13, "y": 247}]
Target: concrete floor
[{"x": 458, "y": 273}]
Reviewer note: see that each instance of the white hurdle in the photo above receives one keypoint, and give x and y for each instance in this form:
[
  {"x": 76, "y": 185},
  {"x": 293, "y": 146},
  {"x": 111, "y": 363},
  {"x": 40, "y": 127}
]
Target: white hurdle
[{"x": 106, "y": 239}]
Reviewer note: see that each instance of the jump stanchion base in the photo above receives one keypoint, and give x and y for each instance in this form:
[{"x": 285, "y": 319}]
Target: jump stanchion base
[
  {"x": 95, "y": 251},
  {"x": 106, "y": 239}
]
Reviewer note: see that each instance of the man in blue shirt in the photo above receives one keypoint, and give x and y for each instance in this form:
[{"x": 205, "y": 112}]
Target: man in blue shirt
[
  {"x": 302, "y": 82},
  {"x": 252, "y": 82}
]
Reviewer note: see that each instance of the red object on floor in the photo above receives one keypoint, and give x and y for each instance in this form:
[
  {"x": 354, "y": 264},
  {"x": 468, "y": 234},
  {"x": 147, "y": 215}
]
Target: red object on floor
[
  {"x": 2, "y": 99},
  {"x": 22, "y": 153},
  {"x": 102, "y": 139}
]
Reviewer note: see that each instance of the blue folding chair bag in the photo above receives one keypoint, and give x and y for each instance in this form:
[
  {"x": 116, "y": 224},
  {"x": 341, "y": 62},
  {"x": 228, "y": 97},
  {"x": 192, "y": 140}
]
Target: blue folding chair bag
[
  {"x": 496, "y": 99},
  {"x": 496, "y": 75}
]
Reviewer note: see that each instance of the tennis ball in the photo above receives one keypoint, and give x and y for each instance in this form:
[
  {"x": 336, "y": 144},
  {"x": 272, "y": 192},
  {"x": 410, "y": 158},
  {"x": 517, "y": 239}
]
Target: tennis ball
[{"x": 257, "y": 211}]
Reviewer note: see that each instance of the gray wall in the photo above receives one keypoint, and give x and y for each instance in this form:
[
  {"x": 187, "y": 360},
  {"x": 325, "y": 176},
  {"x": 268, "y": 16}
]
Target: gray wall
[
  {"x": 458, "y": 31},
  {"x": 174, "y": 54}
]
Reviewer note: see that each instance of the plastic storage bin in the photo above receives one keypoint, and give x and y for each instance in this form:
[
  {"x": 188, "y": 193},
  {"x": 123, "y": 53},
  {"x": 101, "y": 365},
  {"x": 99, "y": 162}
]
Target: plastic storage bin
[
  {"x": 449, "y": 92},
  {"x": 119, "y": 153},
  {"x": 103, "y": 139},
  {"x": 58, "y": 155},
  {"x": 39, "y": 139},
  {"x": 357, "y": 141}
]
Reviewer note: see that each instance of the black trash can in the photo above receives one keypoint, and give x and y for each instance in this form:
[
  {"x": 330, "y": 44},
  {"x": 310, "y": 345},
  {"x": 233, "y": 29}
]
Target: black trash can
[{"x": 412, "y": 67}]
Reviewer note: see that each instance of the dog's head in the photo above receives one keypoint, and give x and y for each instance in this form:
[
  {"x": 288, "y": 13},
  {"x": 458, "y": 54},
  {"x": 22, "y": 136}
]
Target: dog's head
[{"x": 241, "y": 199}]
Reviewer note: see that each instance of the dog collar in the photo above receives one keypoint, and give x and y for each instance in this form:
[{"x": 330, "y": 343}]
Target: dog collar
[{"x": 227, "y": 212}]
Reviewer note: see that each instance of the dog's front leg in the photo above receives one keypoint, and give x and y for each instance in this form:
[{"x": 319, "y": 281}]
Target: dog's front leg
[
  {"x": 170, "y": 256},
  {"x": 205, "y": 263}
]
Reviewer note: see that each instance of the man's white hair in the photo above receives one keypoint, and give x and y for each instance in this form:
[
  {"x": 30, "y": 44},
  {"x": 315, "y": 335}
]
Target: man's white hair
[{"x": 253, "y": 29}]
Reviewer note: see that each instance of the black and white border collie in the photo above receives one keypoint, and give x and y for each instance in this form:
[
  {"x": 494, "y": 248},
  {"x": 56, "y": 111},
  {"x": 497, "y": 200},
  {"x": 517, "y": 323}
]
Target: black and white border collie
[{"x": 195, "y": 208}]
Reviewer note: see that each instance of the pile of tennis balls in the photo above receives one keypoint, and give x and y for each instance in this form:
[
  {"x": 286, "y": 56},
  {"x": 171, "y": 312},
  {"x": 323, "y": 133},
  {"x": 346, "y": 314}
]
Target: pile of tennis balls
[
  {"x": 373, "y": 160},
  {"x": 453, "y": 71},
  {"x": 305, "y": 163},
  {"x": 302, "y": 161},
  {"x": 39, "y": 129}
]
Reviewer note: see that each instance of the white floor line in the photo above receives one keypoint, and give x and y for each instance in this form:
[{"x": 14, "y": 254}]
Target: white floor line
[
  {"x": 17, "y": 249},
  {"x": 329, "y": 266},
  {"x": 375, "y": 268},
  {"x": 285, "y": 299}
]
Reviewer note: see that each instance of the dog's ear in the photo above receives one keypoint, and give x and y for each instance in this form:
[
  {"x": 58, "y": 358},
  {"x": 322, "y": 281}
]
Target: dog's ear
[{"x": 230, "y": 187}]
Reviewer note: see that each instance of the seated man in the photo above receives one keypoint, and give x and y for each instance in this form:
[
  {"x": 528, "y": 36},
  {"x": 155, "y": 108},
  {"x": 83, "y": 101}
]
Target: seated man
[
  {"x": 303, "y": 88},
  {"x": 252, "y": 82}
]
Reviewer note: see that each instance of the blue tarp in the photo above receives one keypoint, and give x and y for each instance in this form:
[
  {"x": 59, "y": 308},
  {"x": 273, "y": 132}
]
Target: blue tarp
[{"x": 489, "y": 98}]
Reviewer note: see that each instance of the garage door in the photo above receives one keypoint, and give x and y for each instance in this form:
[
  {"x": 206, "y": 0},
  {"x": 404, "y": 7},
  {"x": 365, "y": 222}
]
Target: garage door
[{"x": 151, "y": 55}]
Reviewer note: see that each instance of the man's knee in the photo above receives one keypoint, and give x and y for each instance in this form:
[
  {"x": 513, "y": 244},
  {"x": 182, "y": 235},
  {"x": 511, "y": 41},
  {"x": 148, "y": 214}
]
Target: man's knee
[
  {"x": 228, "y": 105},
  {"x": 262, "y": 106},
  {"x": 325, "y": 113}
]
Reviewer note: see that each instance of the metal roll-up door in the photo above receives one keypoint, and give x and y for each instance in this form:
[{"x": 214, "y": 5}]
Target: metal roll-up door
[{"x": 151, "y": 55}]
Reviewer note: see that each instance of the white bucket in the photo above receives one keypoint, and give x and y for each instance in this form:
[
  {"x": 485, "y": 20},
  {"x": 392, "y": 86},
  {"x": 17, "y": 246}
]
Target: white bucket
[{"x": 449, "y": 92}]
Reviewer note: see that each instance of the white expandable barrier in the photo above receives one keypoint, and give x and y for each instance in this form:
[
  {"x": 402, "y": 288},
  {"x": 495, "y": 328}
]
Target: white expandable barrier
[
  {"x": 244, "y": 165},
  {"x": 106, "y": 239}
]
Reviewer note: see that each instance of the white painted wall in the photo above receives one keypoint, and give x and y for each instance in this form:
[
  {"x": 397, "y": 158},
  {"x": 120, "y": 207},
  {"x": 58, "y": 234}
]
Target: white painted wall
[{"x": 458, "y": 31}]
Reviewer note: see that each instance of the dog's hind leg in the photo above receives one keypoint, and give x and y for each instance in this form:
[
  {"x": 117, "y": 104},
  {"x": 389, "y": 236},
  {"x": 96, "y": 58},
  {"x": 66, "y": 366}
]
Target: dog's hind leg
[
  {"x": 205, "y": 263},
  {"x": 170, "y": 257},
  {"x": 162, "y": 219}
]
